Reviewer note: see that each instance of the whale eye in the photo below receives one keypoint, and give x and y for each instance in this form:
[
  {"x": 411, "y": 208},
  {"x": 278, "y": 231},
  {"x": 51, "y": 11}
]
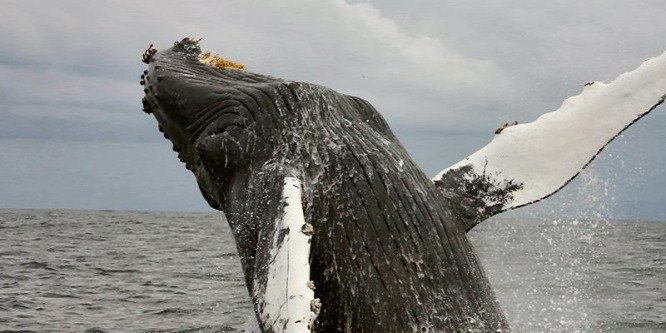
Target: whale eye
[
  {"x": 227, "y": 146},
  {"x": 215, "y": 121}
]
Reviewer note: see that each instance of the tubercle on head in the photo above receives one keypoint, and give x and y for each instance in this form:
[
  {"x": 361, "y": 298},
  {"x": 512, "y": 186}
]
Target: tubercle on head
[{"x": 148, "y": 54}]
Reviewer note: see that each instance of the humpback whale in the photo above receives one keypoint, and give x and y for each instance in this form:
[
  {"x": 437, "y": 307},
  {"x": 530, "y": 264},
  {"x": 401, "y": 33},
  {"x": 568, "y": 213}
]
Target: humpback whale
[{"x": 337, "y": 228}]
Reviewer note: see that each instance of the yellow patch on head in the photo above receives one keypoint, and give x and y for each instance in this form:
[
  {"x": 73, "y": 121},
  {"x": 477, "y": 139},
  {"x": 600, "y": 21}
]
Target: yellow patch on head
[{"x": 219, "y": 62}]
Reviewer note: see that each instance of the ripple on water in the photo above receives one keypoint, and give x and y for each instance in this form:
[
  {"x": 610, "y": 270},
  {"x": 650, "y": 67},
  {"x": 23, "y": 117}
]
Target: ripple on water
[
  {"x": 37, "y": 265},
  {"x": 91, "y": 271}
]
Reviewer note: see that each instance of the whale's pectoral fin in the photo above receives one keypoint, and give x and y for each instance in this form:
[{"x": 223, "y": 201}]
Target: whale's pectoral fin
[
  {"x": 529, "y": 162},
  {"x": 282, "y": 290}
]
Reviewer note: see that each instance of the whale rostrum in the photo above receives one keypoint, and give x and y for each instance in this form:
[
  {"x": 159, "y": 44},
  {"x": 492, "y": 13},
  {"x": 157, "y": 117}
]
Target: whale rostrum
[{"x": 337, "y": 228}]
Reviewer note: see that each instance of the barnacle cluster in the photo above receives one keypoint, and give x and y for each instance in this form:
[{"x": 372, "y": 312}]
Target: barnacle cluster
[
  {"x": 219, "y": 62},
  {"x": 148, "y": 54}
]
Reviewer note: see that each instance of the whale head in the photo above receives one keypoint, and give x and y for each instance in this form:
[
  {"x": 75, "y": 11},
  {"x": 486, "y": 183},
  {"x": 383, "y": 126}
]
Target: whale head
[{"x": 227, "y": 124}]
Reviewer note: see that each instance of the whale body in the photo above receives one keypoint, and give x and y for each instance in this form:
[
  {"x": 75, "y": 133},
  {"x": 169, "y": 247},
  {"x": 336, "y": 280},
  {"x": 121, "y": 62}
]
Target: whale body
[{"x": 337, "y": 228}]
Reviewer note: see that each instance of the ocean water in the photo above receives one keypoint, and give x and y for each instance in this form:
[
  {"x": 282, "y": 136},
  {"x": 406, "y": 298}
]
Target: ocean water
[{"x": 108, "y": 271}]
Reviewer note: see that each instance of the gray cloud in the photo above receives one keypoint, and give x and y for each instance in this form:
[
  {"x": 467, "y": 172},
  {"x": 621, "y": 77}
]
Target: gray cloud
[{"x": 443, "y": 73}]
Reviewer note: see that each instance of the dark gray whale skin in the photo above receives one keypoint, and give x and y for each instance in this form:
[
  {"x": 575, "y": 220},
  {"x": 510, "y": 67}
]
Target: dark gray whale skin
[{"x": 389, "y": 250}]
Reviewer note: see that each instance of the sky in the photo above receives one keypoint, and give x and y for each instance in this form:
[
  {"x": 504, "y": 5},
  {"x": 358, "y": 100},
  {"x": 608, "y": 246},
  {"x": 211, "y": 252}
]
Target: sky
[{"x": 445, "y": 75}]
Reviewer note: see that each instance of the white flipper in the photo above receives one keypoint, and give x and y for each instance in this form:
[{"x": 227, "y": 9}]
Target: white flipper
[
  {"x": 290, "y": 305},
  {"x": 529, "y": 162}
]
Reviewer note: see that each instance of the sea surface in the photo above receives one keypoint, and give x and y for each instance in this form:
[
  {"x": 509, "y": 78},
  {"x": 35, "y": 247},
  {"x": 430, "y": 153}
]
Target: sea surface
[{"x": 109, "y": 271}]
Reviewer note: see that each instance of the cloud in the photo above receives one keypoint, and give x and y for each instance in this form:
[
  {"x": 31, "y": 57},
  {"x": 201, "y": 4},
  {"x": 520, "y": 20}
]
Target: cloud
[
  {"x": 435, "y": 65},
  {"x": 27, "y": 85},
  {"x": 57, "y": 105},
  {"x": 91, "y": 63},
  {"x": 427, "y": 53},
  {"x": 445, "y": 74}
]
